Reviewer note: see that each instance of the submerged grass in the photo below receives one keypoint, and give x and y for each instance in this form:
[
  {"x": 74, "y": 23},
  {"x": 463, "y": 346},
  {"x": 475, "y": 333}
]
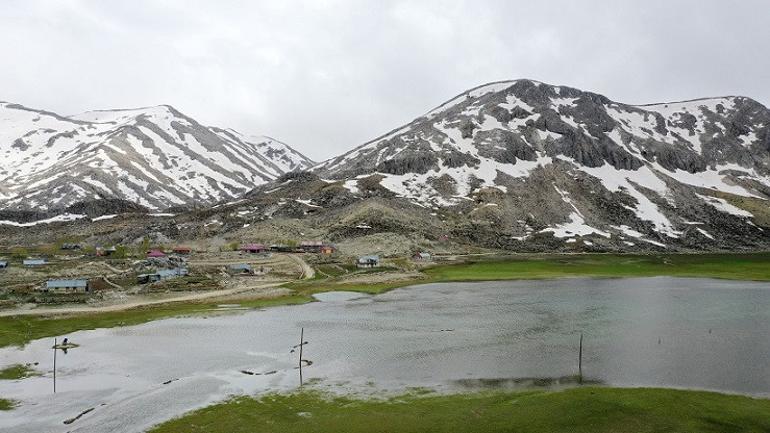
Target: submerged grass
[
  {"x": 17, "y": 371},
  {"x": 6, "y": 404},
  {"x": 18, "y": 330},
  {"x": 577, "y": 410}
]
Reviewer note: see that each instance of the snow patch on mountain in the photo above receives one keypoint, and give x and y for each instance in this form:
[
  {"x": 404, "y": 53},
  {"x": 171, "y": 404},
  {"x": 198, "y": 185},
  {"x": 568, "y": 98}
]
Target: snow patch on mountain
[{"x": 155, "y": 156}]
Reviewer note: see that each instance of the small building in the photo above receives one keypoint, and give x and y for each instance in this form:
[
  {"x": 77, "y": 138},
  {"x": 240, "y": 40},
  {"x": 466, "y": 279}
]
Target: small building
[
  {"x": 422, "y": 257},
  {"x": 166, "y": 274},
  {"x": 147, "y": 278},
  {"x": 311, "y": 246},
  {"x": 253, "y": 248},
  {"x": 163, "y": 274},
  {"x": 280, "y": 248},
  {"x": 30, "y": 263},
  {"x": 106, "y": 252},
  {"x": 65, "y": 286},
  {"x": 182, "y": 250},
  {"x": 327, "y": 249},
  {"x": 240, "y": 269},
  {"x": 70, "y": 246},
  {"x": 156, "y": 253},
  {"x": 3, "y": 264},
  {"x": 368, "y": 262}
]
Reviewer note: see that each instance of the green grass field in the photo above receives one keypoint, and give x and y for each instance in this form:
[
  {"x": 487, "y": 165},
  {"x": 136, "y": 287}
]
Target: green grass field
[
  {"x": 577, "y": 410},
  {"x": 21, "y": 329}
]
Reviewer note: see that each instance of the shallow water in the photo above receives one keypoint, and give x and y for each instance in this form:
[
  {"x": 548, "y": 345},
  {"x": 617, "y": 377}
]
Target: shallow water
[{"x": 684, "y": 333}]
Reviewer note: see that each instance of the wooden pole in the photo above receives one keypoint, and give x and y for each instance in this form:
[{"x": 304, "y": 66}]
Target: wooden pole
[
  {"x": 301, "y": 343},
  {"x": 580, "y": 360},
  {"x": 55, "y": 343}
]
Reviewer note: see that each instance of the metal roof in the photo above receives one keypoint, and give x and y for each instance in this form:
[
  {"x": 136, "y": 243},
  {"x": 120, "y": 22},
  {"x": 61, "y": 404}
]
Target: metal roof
[
  {"x": 60, "y": 284},
  {"x": 240, "y": 267},
  {"x": 172, "y": 272},
  {"x": 369, "y": 258},
  {"x": 34, "y": 261},
  {"x": 253, "y": 247}
]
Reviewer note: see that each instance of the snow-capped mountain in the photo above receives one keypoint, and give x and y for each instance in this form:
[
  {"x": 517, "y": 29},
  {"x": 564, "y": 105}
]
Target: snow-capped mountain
[
  {"x": 533, "y": 161},
  {"x": 154, "y": 156}
]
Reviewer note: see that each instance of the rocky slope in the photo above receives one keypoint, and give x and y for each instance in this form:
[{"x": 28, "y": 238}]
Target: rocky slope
[
  {"x": 156, "y": 157},
  {"x": 528, "y": 164}
]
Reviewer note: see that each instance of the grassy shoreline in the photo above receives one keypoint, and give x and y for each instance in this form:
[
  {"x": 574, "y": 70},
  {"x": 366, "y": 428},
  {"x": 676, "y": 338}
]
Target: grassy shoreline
[
  {"x": 19, "y": 330},
  {"x": 582, "y": 409}
]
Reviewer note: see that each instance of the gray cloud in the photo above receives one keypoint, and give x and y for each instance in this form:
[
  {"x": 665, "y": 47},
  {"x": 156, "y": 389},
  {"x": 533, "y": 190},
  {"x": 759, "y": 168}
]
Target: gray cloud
[{"x": 325, "y": 76}]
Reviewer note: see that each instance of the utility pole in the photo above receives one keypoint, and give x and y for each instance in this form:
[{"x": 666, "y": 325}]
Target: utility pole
[
  {"x": 55, "y": 343},
  {"x": 302, "y": 342},
  {"x": 580, "y": 360},
  {"x": 301, "y": 345}
]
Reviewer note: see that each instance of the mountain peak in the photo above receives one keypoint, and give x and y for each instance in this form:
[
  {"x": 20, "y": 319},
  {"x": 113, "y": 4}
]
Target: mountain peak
[
  {"x": 154, "y": 156},
  {"x": 598, "y": 164},
  {"x": 123, "y": 115}
]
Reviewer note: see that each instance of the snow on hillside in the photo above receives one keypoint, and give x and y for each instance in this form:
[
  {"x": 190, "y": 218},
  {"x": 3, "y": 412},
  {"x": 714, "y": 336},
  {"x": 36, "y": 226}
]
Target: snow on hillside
[
  {"x": 663, "y": 157},
  {"x": 154, "y": 156}
]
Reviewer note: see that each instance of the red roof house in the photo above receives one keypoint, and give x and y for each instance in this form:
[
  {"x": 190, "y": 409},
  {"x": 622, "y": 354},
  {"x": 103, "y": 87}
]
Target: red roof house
[{"x": 253, "y": 248}]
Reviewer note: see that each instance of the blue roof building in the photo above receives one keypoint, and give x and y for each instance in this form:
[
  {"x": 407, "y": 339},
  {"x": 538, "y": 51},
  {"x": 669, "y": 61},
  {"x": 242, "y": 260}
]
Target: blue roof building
[
  {"x": 66, "y": 286},
  {"x": 240, "y": 268}
]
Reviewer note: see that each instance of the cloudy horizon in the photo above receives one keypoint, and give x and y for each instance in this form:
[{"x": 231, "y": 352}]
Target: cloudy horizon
[{"x": 327, "y": 76}]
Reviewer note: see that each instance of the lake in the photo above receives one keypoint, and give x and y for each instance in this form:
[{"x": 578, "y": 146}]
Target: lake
[{"x": 663, "y": 332}]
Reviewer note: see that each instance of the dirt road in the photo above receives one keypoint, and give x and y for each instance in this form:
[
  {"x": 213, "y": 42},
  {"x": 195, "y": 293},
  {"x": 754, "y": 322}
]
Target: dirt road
[
  {"x": 307, "y": 271},
  {"x": 139, "y": 303}
]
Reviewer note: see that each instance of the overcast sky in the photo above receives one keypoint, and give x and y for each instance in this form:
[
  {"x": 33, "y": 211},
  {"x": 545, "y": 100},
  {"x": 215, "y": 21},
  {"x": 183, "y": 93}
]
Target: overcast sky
[{"x": 325, "y": 76}]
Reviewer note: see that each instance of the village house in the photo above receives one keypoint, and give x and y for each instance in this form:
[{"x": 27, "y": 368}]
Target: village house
[
  {"x": 253, "y": 248},
  {"x": 327, "y": 249},
  {"x": 3, "y": 264},
  {"x": 240, "y": 269},
  {"x": 34, "y": 262},
  {"x": 182, "y": 250},
  {"x": 311, "y": 246},
  {"x": 65, "y": 286},
  {"x": 163, "y": 274},
  {"x": 70, "y": 246},
  {"x": 368, "y": 262},
  {"x": 156, "y": 253},
  {"x": 105, "y": 252},
  {"x": 422, "y": 257},
  {"x": 280, "y": 248}
]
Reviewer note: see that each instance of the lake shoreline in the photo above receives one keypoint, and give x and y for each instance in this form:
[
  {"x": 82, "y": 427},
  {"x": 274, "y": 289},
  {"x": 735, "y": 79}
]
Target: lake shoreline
[
  {"x": 582, "y": 409},
  {"x": 18, "y": 330}
]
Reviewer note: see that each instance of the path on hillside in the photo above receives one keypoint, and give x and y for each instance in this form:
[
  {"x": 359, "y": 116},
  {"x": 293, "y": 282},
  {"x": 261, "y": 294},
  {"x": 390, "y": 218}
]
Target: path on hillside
[{"x": 307, "y": 271}]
